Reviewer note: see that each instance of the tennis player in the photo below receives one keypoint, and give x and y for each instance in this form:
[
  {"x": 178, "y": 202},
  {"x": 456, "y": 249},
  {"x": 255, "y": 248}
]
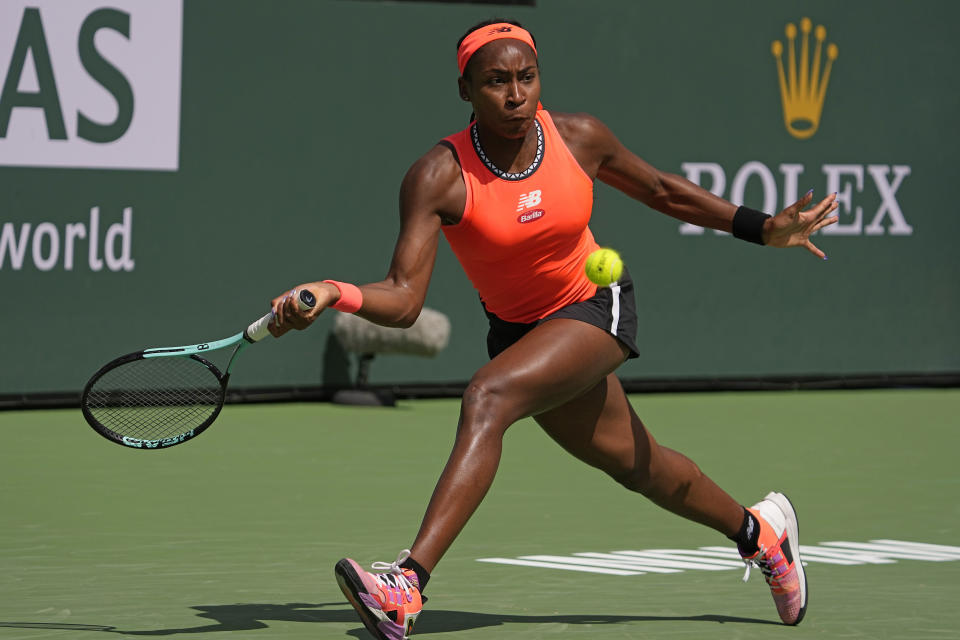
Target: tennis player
[{"x": 513, "y": 194}]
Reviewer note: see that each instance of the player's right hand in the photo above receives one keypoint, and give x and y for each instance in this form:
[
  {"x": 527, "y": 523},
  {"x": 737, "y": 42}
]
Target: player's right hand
[{"x": 288, "y": 314}]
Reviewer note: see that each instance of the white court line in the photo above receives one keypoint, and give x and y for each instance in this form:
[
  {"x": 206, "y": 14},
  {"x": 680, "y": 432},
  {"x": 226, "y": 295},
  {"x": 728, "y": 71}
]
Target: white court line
[
  {"x": 628, "y": 563},
  {"x": 557, "y": 565},
  {"x": 892, "y": 551},
  {"x": 659, "y": 561},
  {"x": 923, "y": 546}
]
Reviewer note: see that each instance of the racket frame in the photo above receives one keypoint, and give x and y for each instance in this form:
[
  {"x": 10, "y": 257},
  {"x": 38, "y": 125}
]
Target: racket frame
[
  {"x": 255, "y": 332},
  {"x": 192, "y": 352}
]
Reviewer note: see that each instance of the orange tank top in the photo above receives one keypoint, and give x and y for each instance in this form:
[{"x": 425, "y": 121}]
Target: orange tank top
[{"x": 523, "y": 238}]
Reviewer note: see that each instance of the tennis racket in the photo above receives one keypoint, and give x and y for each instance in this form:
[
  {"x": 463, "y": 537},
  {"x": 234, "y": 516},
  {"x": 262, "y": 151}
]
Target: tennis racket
[{"x": 158, "y": 398}]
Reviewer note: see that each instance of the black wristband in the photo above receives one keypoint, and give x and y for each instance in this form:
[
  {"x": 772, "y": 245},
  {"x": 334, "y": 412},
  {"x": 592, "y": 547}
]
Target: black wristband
[{"x": 748, "y": 224}]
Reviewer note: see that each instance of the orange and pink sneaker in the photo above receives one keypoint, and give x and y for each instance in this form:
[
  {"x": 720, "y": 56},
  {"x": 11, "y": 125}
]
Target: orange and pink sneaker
[
  {"x": 388, "y": 602},
  {"x": 779, "y": 556}
]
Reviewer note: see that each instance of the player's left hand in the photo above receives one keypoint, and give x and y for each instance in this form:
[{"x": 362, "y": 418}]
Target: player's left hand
[{"x": 792, "y": 227}]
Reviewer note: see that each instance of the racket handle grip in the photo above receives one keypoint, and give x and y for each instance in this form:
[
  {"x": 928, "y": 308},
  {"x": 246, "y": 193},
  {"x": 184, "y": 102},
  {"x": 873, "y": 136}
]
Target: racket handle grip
[
  {"x": 306, "y": 300},
  {"x": 258, "y": 330}
]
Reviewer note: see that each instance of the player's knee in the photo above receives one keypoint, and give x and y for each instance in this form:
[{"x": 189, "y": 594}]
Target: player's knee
[
  {"x": 486, "y": 405},
  {"x": 480, "y": 391}
]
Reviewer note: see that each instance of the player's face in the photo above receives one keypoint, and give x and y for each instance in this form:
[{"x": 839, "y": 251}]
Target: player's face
[{"x": 504, "y": 87}]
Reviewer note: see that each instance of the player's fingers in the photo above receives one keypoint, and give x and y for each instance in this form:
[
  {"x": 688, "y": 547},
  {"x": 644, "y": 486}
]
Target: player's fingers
[
  {"x": 281, "y": 312},
  {"x": 275, "y": 306},
  {"x": 293, "y": 314},
  {"x": 826, "y": 206},
  {"x": 292, "y": 303},
  {"x": 798, "y": 206},
  {"x": 300, "y": 312},
  {"x": 825, "y": 222},
  {"x": 812, "y": 248},
  {"x": 276, "y": 331}
]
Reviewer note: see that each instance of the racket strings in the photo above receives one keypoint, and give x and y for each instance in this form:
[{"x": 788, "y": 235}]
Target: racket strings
[{"x": 155, "y": 398}]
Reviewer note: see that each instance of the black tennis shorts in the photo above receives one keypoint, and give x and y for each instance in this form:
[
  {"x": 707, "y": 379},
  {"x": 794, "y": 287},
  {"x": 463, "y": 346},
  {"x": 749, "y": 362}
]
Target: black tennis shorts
[{"x": 612, "y": 308}]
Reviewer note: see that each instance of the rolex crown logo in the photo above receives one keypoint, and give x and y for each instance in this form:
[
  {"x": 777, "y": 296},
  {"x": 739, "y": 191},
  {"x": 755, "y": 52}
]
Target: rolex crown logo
[{"x": 803, "y": 90}]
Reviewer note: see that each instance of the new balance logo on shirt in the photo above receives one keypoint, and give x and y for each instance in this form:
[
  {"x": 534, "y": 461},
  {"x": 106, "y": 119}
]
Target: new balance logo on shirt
[{"x": 529, "y": 200}]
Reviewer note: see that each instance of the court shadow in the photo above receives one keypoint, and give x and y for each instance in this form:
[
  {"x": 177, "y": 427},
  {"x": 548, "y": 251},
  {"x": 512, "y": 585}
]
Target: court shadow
[
  {"x": 226, "y": 617},
  {"x": 56, "y": 625},
  {"x": 248, "y": 617},
  {"x": 446, "y": 621}
]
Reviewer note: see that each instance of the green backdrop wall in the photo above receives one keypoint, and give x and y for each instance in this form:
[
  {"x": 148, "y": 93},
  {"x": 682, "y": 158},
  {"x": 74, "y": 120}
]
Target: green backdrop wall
[{"x": 227, "y": 150}]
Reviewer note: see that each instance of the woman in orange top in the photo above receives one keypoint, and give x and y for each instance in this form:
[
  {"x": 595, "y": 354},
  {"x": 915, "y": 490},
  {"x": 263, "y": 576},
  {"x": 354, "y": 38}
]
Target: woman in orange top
[{"x": 513, "y": 194}]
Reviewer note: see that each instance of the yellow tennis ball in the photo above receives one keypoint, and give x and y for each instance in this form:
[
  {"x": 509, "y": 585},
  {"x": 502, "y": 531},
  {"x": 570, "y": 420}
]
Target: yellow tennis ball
[{"x": 604, "y": 266}]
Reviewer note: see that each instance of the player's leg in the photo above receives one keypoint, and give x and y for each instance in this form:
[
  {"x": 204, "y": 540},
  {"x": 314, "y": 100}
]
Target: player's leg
[
  {"x": 556, "y": 361},
  {"x": 601, "y": 428}
]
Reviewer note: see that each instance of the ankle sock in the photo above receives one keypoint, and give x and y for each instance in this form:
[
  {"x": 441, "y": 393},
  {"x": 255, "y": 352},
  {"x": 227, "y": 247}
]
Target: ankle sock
[
  {"x": 423, "y": 576},
  {"x": 749, "y": 535}
]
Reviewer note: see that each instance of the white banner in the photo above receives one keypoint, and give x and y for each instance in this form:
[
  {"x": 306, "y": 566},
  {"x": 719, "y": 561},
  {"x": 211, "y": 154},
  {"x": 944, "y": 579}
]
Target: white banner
[{"x": 90, "y": 84}]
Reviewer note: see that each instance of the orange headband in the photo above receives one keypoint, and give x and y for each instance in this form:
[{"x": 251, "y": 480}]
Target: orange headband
[{"x": 487, "y": 34}]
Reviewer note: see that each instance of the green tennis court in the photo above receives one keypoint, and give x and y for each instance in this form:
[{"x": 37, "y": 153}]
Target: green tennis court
[{"x": 237, "y": 532}]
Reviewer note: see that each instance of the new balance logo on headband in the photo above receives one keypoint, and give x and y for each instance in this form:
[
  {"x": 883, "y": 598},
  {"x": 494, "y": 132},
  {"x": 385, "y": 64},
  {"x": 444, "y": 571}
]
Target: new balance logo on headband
[{"x": 499, "y": 30}]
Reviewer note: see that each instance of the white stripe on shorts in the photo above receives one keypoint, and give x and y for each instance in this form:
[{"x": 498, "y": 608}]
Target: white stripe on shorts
[{"x": 615, "y": 290}]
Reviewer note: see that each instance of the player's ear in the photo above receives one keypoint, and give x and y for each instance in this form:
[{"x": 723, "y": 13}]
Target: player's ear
[{"x": 464, "y": 89}]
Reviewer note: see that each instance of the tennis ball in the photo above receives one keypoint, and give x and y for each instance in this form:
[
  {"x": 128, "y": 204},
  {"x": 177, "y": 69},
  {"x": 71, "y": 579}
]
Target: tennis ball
[{"x": 604, "y": 266}]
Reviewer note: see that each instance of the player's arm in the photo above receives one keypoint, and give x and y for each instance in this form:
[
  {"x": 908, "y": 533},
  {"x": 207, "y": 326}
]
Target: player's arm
[
  {"x": 676, "y": 196},
  {"x": 395, "y": 301}
]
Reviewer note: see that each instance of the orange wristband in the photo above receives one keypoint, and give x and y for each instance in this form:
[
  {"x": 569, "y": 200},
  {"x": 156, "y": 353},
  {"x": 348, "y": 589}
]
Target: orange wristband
[{"x": 350, "y": 297}]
